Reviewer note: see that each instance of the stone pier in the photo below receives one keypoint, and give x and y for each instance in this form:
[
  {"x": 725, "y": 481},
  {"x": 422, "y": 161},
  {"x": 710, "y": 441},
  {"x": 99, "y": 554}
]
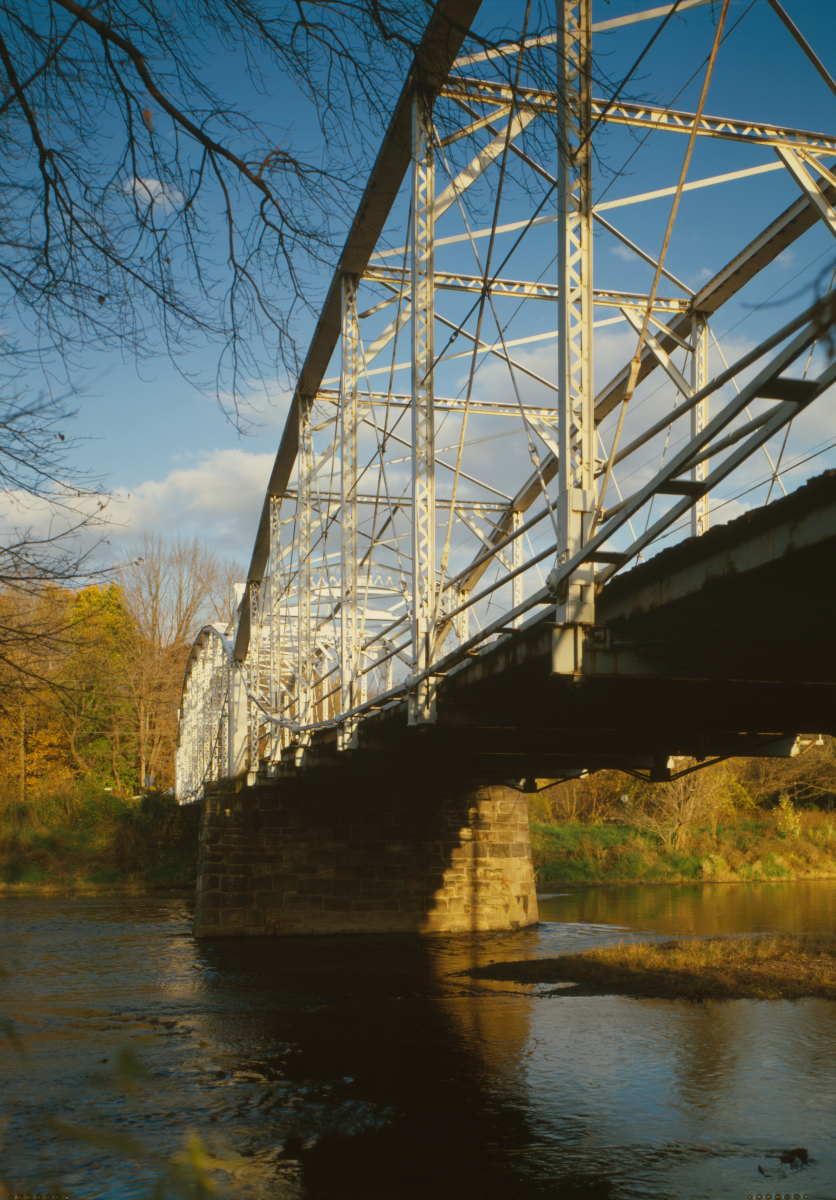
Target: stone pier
[{"x": 290, "y": 857}]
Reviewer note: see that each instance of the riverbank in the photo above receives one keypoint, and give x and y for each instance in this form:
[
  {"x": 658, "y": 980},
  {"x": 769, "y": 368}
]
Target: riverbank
[
  {"x": 777, "y": 967},
  {"x": 107, "y": 846},
  {"x": 743, "y": 852},
  {"x": 120, "y": 847},
  {"x": 120, "y": 887}
]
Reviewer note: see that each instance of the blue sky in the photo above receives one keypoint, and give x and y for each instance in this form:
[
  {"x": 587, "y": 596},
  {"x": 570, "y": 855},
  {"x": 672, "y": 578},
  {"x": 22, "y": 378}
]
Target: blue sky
[{"x": 176, "y": 464}]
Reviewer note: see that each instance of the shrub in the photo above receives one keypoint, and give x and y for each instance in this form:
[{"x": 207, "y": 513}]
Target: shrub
[
  {"x": 789, "y": 823},
  {"x": 157, "y": 825}
]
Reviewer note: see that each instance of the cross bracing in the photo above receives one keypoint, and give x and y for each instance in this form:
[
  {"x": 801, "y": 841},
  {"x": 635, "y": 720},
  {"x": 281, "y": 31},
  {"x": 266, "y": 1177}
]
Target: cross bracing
[
  {"x": 644, "y": 116},
  {"x": 410, "y": 521}
]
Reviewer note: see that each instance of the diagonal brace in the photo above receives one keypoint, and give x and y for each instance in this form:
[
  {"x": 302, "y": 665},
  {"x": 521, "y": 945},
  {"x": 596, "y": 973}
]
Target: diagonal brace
[{"x": 808, "y": 185}]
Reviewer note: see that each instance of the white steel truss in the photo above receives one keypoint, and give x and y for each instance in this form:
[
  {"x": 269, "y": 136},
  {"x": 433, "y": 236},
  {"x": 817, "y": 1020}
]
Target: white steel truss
[{"x": 353, "y": 604}]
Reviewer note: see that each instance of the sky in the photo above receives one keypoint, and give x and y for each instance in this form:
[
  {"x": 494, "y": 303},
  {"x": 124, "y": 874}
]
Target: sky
[{"x": 176, "y": 465}]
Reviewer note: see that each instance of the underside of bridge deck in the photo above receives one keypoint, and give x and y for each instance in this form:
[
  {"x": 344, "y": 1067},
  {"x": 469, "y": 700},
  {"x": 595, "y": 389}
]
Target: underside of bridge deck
[{"x": 723, "y": 645}]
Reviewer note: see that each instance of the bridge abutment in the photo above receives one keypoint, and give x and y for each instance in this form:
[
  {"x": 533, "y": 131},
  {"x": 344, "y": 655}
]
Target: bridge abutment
[{"x": 300, "y": 857}]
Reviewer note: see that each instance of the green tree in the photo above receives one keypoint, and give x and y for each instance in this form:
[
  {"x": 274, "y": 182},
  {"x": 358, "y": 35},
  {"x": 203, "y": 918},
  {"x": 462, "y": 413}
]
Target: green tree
[{"x": 95, "y": 688}]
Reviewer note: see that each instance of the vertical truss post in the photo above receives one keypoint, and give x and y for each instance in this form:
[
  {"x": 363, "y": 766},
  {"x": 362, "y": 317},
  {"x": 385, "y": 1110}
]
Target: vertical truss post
[
  {"x": 462, "y": 619},
  {"x": 226, "y": 745},
  {"x": 517, "y": 561},
  {"x": 238, "y": 718},
  {"x": 254, "y": 665},
  {"x": 185, "y": 753},
  {"x": 207, "y": 710},
  {"x": 349, "y": 597},
  {"x": 276, "y": 648},
  {"x": 190, "y": 732},
  {"x": 387, "y": 674},
  {"x": 196, "y": 736},
  {"x": 363, "y": 678},
  {"x": 577, "y": 494},
  {"x": 699, "y": 416},
  {"x": 220, "y": 709},
  {"x": 205, "y": 715},
  {"x": 198, "y": 721},
  {"x": 197, "y": 715},
  {"x": 304, "y": 669},
  {"x": 214, "y": 772},
  {"x": 195, "y": 722},
  {"x": 422, "y": 699}
]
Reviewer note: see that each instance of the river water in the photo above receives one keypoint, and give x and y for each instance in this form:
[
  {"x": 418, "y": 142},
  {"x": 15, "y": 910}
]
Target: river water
[{"x": 371, "y": 1067}]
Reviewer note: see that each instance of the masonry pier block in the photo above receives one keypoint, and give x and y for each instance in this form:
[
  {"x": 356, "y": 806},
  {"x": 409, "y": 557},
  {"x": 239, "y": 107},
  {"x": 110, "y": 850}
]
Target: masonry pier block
[{"x": 298, "y": 856}]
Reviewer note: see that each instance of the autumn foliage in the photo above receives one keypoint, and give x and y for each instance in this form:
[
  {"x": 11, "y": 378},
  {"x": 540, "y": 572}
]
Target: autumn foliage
[{"x": 90, "y": 678}]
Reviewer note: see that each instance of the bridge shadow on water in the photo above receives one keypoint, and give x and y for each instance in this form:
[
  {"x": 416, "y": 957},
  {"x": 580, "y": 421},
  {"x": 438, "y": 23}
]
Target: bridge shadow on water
[
  {"x": 420, "y": 1075},
  {"x": 376, "y": 1066}
]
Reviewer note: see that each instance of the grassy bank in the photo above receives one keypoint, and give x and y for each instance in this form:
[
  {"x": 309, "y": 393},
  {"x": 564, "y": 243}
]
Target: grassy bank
[
  {"x": 745, "y": 851},
  {"x": 787, "y": 966},
  {"x": 99, "y": 843}
]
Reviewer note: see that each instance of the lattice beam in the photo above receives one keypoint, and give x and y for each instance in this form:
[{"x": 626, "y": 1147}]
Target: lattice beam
[
  {"x": 699, "y": 417},
  {"x": 349, "y": 595},
  {"x": 422, "y": 701},
  {"x": 576, "y": 425}
]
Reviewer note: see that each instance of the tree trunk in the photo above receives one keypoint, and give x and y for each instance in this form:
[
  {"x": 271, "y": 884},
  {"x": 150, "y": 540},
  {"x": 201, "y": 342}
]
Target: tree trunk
[
  {"x": 81, "y": 763},
  {"x": 22, "y": 754},
  {"x": 114, "y": 756},
  {"x": 141, "y": 744}
]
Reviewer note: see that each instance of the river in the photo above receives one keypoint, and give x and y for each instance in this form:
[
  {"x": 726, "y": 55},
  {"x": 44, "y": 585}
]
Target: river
[{"x": 371, "y": 1067}]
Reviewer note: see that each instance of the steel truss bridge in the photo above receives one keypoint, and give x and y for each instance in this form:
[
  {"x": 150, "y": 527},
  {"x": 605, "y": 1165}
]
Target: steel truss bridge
[{"x": 453, "y": 496}]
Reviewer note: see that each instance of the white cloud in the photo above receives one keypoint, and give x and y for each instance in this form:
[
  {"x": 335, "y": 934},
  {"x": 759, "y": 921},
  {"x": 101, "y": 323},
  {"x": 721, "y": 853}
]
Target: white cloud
[
  {"x": 219, "y": 497},
  {"x": 624, "y": 252},
  {"x": 726, "y": 511},
  {"x": 153, "y": 192}
]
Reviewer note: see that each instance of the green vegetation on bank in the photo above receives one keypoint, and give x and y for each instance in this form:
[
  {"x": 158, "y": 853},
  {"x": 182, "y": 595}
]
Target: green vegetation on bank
[
  {"x": 736, "y": 821},
  {"x": 743, "y": 851},
  {"x": 95, "y": 841},
  {"x": 784, "y": 966},
  {"x": 740, "y": 821}
]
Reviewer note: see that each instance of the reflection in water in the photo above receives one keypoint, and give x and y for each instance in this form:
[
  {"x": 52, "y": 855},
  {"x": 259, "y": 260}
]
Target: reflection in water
[
  {"x": 372, "y": 1067},
  {"x": 701, "y": 909}
]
